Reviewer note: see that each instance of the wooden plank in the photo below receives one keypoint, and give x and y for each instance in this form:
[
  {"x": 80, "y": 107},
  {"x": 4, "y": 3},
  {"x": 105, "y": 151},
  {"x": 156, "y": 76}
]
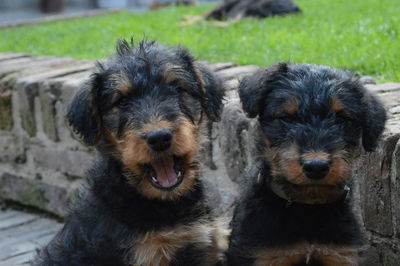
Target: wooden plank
[
  {"x": 19, "y": 259},
  {"x": 38, "y": 239},
  {"x": 44, "y": 239},
  {"x": 22, "y": 234},
  {"x": 16, "y": 221},
  {"x": 7, "y": 214},
  {"x": 27, "y": 232},
  {"x": 12, "y": 251}
]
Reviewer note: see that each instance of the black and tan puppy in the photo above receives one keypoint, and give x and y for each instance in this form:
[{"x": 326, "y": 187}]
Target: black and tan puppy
[
  {"x": 297, "y": 206},
  {"x": 144, "y": 111}
]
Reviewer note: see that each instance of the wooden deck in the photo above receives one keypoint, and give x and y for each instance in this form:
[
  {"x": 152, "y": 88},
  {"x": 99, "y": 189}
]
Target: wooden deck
[{"x": 21, "y": 233}]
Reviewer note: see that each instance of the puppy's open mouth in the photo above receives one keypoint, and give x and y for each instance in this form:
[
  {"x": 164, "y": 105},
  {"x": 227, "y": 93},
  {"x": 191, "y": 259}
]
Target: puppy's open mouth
[{"x": 165, "y": 172}]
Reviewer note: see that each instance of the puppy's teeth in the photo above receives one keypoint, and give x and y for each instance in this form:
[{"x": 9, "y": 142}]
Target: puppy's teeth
[
  {"x": 154, "y": 179},
  {"x": 179, "y": 174}
]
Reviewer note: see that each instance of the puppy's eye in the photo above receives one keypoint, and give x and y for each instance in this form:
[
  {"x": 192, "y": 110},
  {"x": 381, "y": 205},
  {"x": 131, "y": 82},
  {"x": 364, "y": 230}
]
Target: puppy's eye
[{"x": 122, "y": 102}]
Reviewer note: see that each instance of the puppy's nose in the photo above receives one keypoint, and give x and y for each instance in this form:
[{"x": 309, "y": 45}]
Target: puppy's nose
[
  {"x": 159, "y": 140},
  {"x": 315, "y": 169}
]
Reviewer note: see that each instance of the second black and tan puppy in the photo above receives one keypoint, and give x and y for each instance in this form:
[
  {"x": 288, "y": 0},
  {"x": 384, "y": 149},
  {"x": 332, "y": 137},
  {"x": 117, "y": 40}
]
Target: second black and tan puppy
[
  {"x": 297, "y": 207},
  {"x": 144, "y": 111}
]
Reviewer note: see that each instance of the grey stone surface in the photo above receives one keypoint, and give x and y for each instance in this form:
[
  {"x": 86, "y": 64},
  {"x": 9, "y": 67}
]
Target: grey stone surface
[
  {"x": 237, "y": 72},
  {"x": 395, "y": 187},
  {"x": 22, "y": 235},
  {"x": 235, "y": 139},
  {"x": 72, "y": 163},
  {"x": 9, "y": 56},
  {"x": 38, "y": 192},
  {"x": 375, "y": 182},
  {"x": 221, "y": 66},
  {"x": 12, "y": 149},
  {"x": 6, "y": 122},
  {"x": 47, "y": 101},
  {"x": 368, "y": 80}
]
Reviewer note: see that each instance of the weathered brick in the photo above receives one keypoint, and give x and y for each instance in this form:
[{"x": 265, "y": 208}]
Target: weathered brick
[
  {"x": 391, "y": 257},
  {"x": 50, "y": 196},
  {"x": 373, "y": 172},
  {"x": 28, "y": 89},
  {"x": 382, "y": 88},
  {"x": 395, "y": 185},
  {"x": 371, "y": 257},
  {"x": 221, "y": 66},
  {"x": 231, "y": 84},
  {"x": 18, "y": 63},
  {"x": 10, "y": 56},
  {"x": 26, "y": 97},
  {"x": 60, "y": 71},
  {"x": 6, "y": 122},
  {"x": 234, "y": 137},
  {"x": 71, "y": 163},
  {"x": 69, "y": 89},
  {"x": 47, "y": 102},
  {"x": 367, "y": 80},
  {"x": 236, "y": 72},
  {"x": 45, "y": 64},
  {"x": 12, "y": 149}
]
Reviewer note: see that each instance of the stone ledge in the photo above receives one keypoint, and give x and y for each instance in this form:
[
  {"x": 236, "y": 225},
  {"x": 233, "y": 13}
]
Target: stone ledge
[{"x": 37, "y": 192}]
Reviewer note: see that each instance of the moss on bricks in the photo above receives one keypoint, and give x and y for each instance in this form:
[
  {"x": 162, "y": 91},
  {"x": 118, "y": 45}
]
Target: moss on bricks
[
  {"x": 23, "y": 190},
  {"x": 28, "y": 123}
]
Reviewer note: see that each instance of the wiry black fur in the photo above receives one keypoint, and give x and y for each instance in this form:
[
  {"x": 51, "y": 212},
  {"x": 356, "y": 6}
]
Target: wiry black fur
[
  {"x": 264, "y": 220},
  {"x": 109, "y": 213}
]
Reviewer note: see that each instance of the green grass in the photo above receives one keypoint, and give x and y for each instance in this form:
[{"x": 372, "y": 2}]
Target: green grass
[{"x": 361, "y": 35}]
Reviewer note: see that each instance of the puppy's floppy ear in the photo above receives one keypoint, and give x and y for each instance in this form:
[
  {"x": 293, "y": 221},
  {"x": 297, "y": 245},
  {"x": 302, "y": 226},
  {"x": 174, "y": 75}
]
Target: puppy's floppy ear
[
  {"x": 209, "y": 87},
  {"x": 374, "y": 122},
  {"x": 212, "y": 92},
  {"x": 82, "y": 113},
  {"x": 254, "y": 88}
]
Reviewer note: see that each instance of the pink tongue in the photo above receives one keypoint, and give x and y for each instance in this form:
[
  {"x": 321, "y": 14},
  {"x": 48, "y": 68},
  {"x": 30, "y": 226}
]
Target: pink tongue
[{"x": 164, "y": 167}]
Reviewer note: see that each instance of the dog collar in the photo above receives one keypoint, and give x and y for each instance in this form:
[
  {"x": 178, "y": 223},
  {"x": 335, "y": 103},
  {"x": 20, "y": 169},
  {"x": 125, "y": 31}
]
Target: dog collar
[{"x": 342, "y": 194}]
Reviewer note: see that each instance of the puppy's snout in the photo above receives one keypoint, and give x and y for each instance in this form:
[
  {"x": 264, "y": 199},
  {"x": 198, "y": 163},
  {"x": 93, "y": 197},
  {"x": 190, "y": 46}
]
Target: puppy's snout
[
  {"x": 159, "y": 140},
  {"x": 315, "y": 169}
]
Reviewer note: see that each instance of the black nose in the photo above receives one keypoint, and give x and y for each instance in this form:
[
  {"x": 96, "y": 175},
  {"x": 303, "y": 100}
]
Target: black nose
[
  {"x": 315, "y": 169},
  {"x": 159, "y": 140}
]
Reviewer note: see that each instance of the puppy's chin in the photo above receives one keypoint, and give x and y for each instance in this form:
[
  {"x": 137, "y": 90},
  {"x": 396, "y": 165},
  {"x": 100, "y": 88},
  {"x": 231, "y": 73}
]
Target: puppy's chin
[{"x": 309, "y": 194}]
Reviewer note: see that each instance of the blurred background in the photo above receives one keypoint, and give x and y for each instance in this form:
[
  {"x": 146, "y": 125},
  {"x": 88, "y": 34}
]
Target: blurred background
[{"x": 20, "y": 11}]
